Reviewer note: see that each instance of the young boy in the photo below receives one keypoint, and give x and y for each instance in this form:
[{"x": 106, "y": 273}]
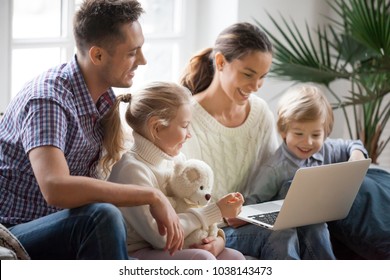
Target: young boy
[{"x": 305, "y": 120}]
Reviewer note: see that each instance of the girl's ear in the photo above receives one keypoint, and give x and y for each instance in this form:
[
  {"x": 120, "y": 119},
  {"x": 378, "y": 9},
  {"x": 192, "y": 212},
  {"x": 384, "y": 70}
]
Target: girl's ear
[{"x": 153, "y": 125}]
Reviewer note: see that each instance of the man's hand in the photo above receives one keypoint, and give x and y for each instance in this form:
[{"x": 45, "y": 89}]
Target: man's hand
[{"x": 168, "y": 223}]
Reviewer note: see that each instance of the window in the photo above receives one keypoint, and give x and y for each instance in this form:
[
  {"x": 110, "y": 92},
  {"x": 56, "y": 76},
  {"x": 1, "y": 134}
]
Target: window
[
  {"x": 167, "y": 29},
  {"x": 41, "y": 37},
  {"x": 38, "y": 35}
]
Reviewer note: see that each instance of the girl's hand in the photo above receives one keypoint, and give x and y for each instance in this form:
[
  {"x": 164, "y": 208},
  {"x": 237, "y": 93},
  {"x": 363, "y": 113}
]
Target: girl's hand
[
  {"x": 215, "y": 245},
  {"x": 230, "y": 204}
]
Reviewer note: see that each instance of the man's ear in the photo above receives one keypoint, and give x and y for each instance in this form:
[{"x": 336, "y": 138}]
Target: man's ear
[{"x": 95, "y": 54}]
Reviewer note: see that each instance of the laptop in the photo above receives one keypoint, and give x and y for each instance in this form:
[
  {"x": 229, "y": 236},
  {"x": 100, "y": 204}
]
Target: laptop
[{"x": 317, "y": 194}]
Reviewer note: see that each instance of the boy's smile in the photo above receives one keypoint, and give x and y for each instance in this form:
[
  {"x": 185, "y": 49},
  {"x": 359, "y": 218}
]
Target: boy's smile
[{"x": 304, "y": 139}]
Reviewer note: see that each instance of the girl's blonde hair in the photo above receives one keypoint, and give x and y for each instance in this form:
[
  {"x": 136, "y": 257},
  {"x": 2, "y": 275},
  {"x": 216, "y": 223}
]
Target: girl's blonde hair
[
  {"x": 157, "y": 99},
  {"x": 304, "y": 103}
]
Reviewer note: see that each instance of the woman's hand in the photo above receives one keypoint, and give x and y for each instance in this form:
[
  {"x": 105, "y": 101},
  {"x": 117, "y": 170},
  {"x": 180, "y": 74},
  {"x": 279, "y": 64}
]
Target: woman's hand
[
  {"x": 235, "y": 223},
  {"x": 168, "y": 222},
  {"x": 230, "y": 204},
  {"x": 215, "y": 245}
]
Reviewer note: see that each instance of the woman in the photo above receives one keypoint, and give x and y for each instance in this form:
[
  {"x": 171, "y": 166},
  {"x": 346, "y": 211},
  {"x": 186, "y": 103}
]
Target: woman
[{"x": 234, "y": 132}]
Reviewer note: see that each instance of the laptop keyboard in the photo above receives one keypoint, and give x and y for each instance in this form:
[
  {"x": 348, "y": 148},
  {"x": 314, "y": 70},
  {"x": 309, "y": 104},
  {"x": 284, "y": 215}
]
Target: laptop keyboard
[{"x": 268, "y": 218}]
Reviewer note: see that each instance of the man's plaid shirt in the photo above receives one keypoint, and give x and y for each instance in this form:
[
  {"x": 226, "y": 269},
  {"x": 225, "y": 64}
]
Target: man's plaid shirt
[{"x": 54, "y": 109}]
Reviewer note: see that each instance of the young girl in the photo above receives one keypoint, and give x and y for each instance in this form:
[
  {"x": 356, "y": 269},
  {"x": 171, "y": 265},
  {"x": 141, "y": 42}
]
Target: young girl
[{"x": 160, "y": 115}]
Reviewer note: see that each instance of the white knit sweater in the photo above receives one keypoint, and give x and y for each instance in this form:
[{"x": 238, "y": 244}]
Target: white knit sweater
[
  {"x": 233, "y": 153},
  {"x": 146, "y": 165}
]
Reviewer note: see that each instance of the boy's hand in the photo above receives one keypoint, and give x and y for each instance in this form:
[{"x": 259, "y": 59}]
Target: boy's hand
[{"x": 356, "y": 155}]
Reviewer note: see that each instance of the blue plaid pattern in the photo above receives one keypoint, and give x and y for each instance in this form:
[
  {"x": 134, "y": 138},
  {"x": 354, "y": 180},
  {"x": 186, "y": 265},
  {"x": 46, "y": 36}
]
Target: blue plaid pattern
[{"x": 54, "y": 109}]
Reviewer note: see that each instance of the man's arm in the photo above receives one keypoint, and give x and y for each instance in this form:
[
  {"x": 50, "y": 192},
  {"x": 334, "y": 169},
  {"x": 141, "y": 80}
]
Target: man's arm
[{"x": 61, "y": 189}]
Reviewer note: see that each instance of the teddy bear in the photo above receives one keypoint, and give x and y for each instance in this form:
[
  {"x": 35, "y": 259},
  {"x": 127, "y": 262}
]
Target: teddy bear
[{"x": 190, "y": 186}]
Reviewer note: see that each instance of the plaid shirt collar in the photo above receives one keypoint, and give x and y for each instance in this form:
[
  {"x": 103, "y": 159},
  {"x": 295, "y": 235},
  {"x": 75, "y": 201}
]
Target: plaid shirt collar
[{"x": 83, "y": 100}]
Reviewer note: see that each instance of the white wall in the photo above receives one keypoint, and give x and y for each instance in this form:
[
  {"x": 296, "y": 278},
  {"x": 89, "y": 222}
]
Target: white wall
[{"x": 213, "y": 16}]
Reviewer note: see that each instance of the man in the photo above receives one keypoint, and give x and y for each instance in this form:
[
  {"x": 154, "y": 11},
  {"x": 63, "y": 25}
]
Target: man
[{"x": 51, "y": 140}]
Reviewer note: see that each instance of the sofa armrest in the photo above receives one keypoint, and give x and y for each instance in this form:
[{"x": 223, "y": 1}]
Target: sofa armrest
[
  {"x": 10, "y": 247},
  {"x": 7, "y": 254}
]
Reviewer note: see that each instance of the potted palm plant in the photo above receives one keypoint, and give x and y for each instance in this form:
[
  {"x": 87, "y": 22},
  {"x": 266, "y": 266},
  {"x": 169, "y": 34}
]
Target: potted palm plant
[{"x": 355, "y": 47}]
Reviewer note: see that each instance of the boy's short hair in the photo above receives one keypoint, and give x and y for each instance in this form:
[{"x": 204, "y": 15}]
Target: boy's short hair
[{"x": 302, "y": 103}]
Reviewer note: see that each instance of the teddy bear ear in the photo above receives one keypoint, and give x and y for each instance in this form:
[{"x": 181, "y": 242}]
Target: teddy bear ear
[
  {"x": 193, "y": 174},
  {"x": 179, "y": 167}
]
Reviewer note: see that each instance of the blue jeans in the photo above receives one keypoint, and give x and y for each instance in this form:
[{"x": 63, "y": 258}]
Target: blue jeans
[
  {"x": 366, "y": 229},
  {"x": 95, "y": 231},
  {"x": 308, "y": 242}
]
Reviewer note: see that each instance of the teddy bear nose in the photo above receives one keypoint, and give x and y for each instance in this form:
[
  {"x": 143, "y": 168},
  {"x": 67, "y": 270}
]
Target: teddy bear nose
[{"x": 207, "y": 196}]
